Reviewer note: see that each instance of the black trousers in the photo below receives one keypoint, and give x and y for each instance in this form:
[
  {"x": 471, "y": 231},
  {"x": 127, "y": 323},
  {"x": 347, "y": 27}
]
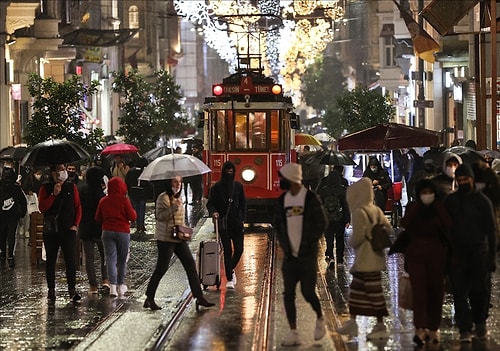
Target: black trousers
[
  {"x": 165, "y": 251},
  {"x": 302, "y": 270},
  {"x": 8, "y": 238},
  {"x": 232, "y": 243},
  {"x": 66, "y": 240}
]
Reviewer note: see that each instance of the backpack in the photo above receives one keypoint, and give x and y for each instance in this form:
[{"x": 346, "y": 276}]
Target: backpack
[{"x": 333, "y": 206}]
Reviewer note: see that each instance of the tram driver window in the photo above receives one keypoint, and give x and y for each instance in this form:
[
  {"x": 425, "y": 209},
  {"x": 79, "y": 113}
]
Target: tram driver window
[
  {"x": 241, "y": 129},
  {"x": 219, "y": 132},
  {"x": 258, "y": 133}
]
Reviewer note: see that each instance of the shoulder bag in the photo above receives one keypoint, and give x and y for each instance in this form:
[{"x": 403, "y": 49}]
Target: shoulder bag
[
  {"x": 380, "y": 239},
  {"x": 181, "y": 232}
]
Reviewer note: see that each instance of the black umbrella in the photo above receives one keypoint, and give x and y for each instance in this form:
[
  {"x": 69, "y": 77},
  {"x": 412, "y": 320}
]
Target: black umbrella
[
  {"x": 15, "y": 153},
  {"x": 467, "y": 154},
  {"x": 54, "y": 152},
  {"x": 153, "y": 154},
  {"x": 332, "y": 158}
]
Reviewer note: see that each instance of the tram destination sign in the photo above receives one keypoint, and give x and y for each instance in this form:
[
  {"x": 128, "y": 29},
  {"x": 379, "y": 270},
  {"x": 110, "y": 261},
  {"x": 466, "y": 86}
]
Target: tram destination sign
[{"x": 246, "y": 87}]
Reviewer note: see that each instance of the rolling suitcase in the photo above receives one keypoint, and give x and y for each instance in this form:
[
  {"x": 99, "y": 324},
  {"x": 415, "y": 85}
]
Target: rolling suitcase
[{"x": 209, "y": 261}]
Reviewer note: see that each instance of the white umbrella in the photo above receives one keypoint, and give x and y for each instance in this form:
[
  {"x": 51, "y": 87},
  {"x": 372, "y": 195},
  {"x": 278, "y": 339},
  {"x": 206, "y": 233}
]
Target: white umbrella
[{"x": 172, "y": 165}]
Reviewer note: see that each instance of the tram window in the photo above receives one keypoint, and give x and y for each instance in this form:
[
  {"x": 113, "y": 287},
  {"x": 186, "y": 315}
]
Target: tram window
[
  {"x": 258, "y": 130},
  {"x": 219, "y": 132},
  {"x": 275, "y": 131},
  {"x": 241, "y": 129}
]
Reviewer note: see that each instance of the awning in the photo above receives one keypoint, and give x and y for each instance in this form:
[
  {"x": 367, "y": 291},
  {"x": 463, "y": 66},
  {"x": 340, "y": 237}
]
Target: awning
[
  {"x": 98, "y": 37},
  {"x": 443, "y": 15}
]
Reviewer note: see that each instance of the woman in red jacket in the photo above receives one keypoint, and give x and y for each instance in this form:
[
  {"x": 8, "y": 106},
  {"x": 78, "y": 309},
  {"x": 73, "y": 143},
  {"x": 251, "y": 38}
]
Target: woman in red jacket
[{"x": 115, "y": 212}]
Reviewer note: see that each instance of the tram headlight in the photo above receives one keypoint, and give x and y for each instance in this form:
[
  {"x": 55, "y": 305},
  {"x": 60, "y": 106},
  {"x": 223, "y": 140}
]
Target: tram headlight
[
  {"x": 217, "y": 90},
  {"x": 248, "y": 175},
  {"x": 276, "y": 89}
]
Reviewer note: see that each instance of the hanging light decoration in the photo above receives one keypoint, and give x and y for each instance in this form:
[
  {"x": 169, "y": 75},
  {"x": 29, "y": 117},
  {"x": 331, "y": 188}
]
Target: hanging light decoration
[{"x": 229, "y": 26}]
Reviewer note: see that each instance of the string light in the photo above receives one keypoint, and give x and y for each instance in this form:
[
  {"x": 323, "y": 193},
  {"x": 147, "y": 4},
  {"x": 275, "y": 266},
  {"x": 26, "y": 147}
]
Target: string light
[{"x": 232, "y": 26}]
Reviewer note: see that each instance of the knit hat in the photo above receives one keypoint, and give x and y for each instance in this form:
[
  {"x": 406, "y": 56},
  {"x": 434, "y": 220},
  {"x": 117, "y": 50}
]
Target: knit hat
[
  {"x": 464, "y": 170},
  {"x": 292, "y": 172}
]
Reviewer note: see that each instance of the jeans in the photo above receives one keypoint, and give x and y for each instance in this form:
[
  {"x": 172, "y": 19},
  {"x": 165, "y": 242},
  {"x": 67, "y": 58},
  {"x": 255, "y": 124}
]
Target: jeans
[
  {"x": 165, "y": 251},
  {"x": 66, "y": 240},
  {"x": 89, "y": 248},
  {"x": 302, "y": 270},
  {"x": 116, "y": 248},
  {"x": 139, "y": 207},
  {"x": 8, "y": 237},
  {"x": 232, "y": 253}
]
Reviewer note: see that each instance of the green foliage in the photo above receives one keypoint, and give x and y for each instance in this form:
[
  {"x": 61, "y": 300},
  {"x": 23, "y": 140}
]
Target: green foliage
[
  {"x": 148, "y": 110},
  {"x": 357, "y": 110},
  {"x": 57, "y": 112},
  {"x": 322, "y": 82}
]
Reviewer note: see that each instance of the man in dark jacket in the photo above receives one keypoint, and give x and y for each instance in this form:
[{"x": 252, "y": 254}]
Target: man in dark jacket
[
  {"x": 137, "y": 192},
  {"x": 14, "y": 207},
  {"x": 333, "y": 196},
  {"x": 473, "y": 245},
  {"x": 90, "y": 231},
  {"x": 380, "y": 180},
  {"x": 227, "y": 205},
  {"x": 300, "y": 221},
  {"x": 60, "y": 205}
]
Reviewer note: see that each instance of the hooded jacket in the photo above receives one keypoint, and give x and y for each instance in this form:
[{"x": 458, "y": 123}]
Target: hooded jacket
[
  {"x": 90, "y": 195},
  {"x": 115, "y": 212},
  {"x": 226, "y": 188},
  {"x": 445, "y": 184},
  {"x": 364, "y": 214}
]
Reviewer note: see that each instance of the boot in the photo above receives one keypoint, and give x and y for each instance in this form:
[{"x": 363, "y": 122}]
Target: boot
[
  {"x": 150, "y": 303},
  {"x": 201, "y": 301}
]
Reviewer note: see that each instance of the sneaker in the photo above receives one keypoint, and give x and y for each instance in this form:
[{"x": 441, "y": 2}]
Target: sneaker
[
  {"x": 379, "y": 332},
  {"x": 105, "y": 284},
  {"x": 74, "y": 296},
  {"x": 11, "y": 261},
  {"x": 112, "y": 290},
  {"x": 331, "y": 264},
  {"x": 229, "y": 285},
  {"x": 481, "y": 331},
  {"x": 122, "y": 289},
  {"x": 350, "y": 327},
  {"x": 93, "y": 289},
  {"x": 234, "y": 278},
  {"x": 320, "y": 329},
  {"x": 291, "y": 339},
  {"x": 466, "y": 337}
]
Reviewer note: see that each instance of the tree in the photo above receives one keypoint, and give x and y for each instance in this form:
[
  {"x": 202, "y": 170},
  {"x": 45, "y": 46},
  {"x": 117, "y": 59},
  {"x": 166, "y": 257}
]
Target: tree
[
  {"x": 322, "y": 82},
  {"x": 149, "y": 111},
  {"x": 58, "y": 112},
  {"x": 357, "y": 110}
]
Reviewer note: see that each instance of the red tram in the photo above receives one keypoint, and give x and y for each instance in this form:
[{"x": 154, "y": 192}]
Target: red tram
[{"x": 249, "y": 121}]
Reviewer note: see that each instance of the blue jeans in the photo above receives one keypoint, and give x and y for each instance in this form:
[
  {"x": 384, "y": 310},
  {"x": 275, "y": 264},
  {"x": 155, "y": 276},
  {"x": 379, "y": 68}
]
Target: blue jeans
[{"x": 116, "y": 246}]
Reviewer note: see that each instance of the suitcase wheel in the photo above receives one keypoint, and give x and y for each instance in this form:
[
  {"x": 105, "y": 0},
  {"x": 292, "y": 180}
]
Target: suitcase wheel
[{"x": 204, "y": 287}]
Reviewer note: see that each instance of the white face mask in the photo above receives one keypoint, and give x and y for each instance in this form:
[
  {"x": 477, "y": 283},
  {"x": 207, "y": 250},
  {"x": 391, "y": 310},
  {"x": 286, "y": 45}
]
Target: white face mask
[
  {"x": 427, "y": 199},
  {"x": 62, "y": 176},
  {"x": 450, "y": 171}
]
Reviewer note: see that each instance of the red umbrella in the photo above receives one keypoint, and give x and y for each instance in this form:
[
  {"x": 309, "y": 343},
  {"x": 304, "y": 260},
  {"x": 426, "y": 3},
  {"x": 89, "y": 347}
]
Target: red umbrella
[{"x": 120, "y": 148}]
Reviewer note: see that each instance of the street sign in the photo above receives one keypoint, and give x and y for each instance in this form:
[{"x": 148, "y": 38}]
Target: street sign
[{"x": 423, "y": 103}]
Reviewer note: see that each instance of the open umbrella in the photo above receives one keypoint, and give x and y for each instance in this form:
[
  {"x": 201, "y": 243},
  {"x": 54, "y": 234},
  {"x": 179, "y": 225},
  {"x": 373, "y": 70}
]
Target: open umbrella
[
  {"x": 120, "y": 148},
  {"x": 306, "y": 139},
  {"x": 389, "y": 136},
  {"x": 492, "y": 154},
  {"x": 15, "y": 153},
  {"x": 467, "y": 154},
  {"x": 336, "y": 158},
  {"x": 54, "y": 152},
  {"x": 160, "y": 151},
  {"x": 172, "y": 165}
]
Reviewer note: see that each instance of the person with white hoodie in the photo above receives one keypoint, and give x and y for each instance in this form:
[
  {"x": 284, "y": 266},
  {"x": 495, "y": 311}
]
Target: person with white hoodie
[
  {"x": 366, "y": 297},
  {"x": 446, "y": 181}
]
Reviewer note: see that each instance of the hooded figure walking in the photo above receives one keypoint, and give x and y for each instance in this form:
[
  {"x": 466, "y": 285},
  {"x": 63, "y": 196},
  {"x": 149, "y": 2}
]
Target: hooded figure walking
[{"x": 228, "y": 205}]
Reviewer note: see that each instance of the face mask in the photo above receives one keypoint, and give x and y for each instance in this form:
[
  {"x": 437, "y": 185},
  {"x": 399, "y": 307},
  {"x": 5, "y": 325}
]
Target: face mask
[
  {"x": 62, "y": 176},
  {"x": 450, "y": 172},
  {"x": 284, "y": 184},
  {"x": 374, "y": 169},
  {"x": 38, "y": 176},
  {"x": 71, "y": 174},
  {"x": 427, "y": 199},
  {"x": 464, "y": 188}
]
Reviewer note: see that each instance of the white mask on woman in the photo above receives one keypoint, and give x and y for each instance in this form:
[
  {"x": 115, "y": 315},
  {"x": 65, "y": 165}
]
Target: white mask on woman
[
  {"x": 450, "y": 171},
  {"x": 427, "y": 199},
  {"x": 62, "y": 176}
]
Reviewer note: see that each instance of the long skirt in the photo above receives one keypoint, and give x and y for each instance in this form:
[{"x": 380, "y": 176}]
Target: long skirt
[{"x": 366, "y": 297}]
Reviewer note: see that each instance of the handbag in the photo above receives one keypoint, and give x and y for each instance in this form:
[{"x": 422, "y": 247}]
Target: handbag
[
  {"x": 182, "y": 232},
  {"x": 380, "y": 239},
  {"x": 405, "y": 292}
]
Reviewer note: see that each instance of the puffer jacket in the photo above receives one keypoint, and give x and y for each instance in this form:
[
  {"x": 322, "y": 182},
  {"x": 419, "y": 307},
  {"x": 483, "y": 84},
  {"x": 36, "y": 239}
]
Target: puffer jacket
[
  {"x": 360, "y": 199},
  {"x": 166, "y": 214}
]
